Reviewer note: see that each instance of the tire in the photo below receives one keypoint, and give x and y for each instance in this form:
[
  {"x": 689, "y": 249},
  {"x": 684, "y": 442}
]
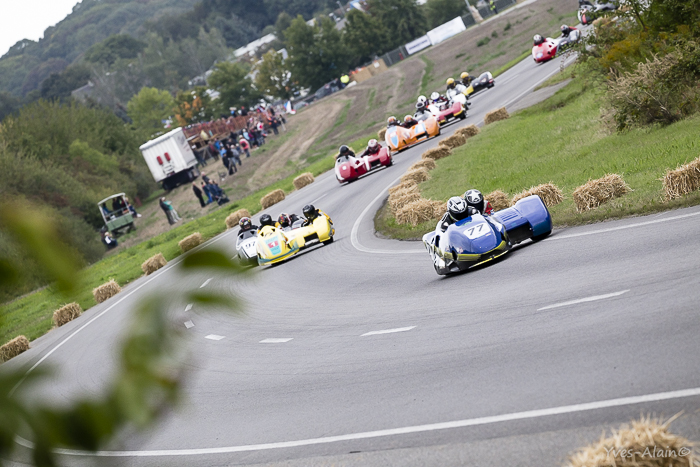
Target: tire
[
  {"x": 464, "y": 115},
  {"x": 537, "y": 238},
  {"x": 391, "y": 162},
  {"x": 328, "y": 242}
]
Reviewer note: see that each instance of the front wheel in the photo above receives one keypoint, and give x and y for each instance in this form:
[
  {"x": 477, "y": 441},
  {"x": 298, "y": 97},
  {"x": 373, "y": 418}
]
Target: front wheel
[
  {"x": 537, "y": 238},
  {"x": 329, "y": 241}
]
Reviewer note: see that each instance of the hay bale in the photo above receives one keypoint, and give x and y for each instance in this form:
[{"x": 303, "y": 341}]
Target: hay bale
[
  {"x": 13, "y": 348},
  {"x": 272, "y": 198},
  {"x": 381, "y": 134},
  {"x": 599, "y": 191},
  {"x": 106, "y": 291},
  {"x": 496, "y": 115},
  {"x": 549, "y": 193},
  {"x": 427, "y": 164},
  {"x": 468, "y": 131},
  {"x": 646, "y": 442},
  {"x": 685, "y": 179},
  {"x": 417, "y": 175},
  {"x": 233, "y": 218},
  {"x": 402, "y": 199},
  {"x": 302, "y": 180},
  {"x": 191, "y": 241},
  {"x": 498, "y": 199},
  {"x": 422, "y": 210},
  {"x": 437, "y": 153},
  {"x": 403, "y": 186},
  {"x": 453, "y": 141},
  {"x": 153, "y": 264},
  {"x": 66, "y": 314}
]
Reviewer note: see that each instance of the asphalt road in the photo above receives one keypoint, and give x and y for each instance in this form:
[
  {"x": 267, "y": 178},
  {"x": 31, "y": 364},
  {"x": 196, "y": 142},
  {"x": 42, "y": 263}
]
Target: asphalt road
[{"x": 482, "y": 368}]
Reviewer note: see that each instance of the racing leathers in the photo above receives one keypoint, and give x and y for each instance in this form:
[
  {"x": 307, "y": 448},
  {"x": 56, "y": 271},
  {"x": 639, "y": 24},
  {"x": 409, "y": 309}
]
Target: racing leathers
[{"x": 447, "y": 220}]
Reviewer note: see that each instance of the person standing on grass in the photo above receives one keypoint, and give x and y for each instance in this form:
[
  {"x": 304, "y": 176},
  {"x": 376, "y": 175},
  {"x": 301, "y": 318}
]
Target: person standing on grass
[
  {"x": 198, "y": 194},
  {"x": 169, "y": 211},
  {"x": 205, "y": 189},
  {"x": 245, "y": 146}
]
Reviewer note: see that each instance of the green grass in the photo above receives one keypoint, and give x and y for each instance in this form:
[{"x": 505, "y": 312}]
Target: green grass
[
  {"x": 562, "y": 140},
  {"x": 427, "y": 74}
]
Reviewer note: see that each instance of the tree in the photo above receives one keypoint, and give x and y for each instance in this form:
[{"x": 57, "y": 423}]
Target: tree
[
  {"x": 149, "y": 108},
  {"x": 113, "y": 48},
  {"x": 194, "y": 106},
  {"x": 316, "y": 53},
  {"x": 8, "y": 104},
  {"x": 441, "y": 11},
  {"x": 365, "y": 36},
  {"x": 281, "y": 25},
  {"x": 233, "y": 84},
  {"x": 60, "y": 85},
  {"x": 403, "y": 18},
  {"x": 273, "y": 78}
]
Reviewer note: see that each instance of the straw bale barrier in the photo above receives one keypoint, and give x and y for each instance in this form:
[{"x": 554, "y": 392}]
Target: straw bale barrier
[
  {"x": 496, "y": 115},
  {"x": 437, "y": 153},
  {"x": 454, "y": 141},
  {"x": 498, "y": 200},
  {"x": 646, "y": 443},
  {"x": 549, "y": 193},
  {"x": 13, "y": 348},
  {"x": 427, "y": 164},
  {"x": 685, "y": 179},
  {"x": 233, "y": 218},
  {"x": 410, "y": 185},
  {"x": 106, "y": 290},
  {"x": 66, "y": 314},
  {"x": 422, "y": 210},
  {"x": 599, "y": 191},
  {"x": 302, "y": 180},
  {"x": 272, "y": 198},
  {"x": 381, "y": 134},
  {"x": 191, "y": 241},
  {"x": 417, "y": 175},
  {"x": 468, "y": 131},
  {"x": 153, "y": 264},
  {"x": 401, "y": 200}
]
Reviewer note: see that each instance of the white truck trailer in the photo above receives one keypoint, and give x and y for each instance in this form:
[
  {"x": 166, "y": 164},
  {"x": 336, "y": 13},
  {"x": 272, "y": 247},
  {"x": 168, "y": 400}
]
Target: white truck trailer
[{"x": 170, "y": 159}]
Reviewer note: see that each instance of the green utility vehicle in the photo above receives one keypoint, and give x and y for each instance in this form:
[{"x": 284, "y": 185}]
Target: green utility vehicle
[{"x": 116, "y": 213}]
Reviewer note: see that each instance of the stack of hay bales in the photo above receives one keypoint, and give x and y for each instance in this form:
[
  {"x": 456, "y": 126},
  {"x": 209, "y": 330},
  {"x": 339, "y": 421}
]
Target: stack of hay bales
[
  {"x": 647, "y": 443},
  {"x": 401, "y": 199},
  {"x": 234, "y": 217},
  {"x": 548, "y": 192},
  {"x": 427, "y": 164},
  {"x": 302, "y": 180},
  {"x": 685, "y": 179},
  {"x": 496, "y": 115},
  {"x": 381, "y": 134},
  {"x": 403, "y": 186},
  {"x": 272, "y": 198},
  {"x": 66, "y": 314},
  {"x": 454, "y": 141},
  {"x": 106, "y": 291},
  {"x": 153, "y": 264},
  {"x": 468, "y": 131},
  {"x": 191, "y": 241},
  {"x": 421, "y": 210},
  {"x": 437, "y": 153},
  {"x": 13, "y": 348},
  {"x": 498, "y": 199},
  {"x": 416, "y": 175},
  {"x": 599, "y": 191}
]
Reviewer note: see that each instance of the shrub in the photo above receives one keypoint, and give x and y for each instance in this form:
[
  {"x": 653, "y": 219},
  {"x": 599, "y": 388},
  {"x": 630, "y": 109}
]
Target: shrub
[{"x": 483, "y": 41}]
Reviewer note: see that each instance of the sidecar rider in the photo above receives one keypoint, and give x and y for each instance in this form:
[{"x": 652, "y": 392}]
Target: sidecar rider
[
  {"x": 373, "y": 148},
  {"x": 457, "y": 210},
  {"x": 246, "y": 224},
  {"x": 476, "y": 200}
]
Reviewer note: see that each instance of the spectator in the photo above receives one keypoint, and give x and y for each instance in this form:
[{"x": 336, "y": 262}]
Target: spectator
[
  {"x": 273, "y": 125},
  {"x": 198, "y": 194},
  {"x": 218, "y": 194},
  {"x": 244, "y": 111},
  {"x": 205, "y": 189},
  {"x": 245, "y": 146},
  {"x": 199, "y": 155},
  {"x": 107, "y": 239},
  {"x": 235, "y": 156},
  {"x": 169, "y": 211},
  {"x": 212, "y": 151},
  {"x": 131, "y": 208},
  {"x": 205, "y": 177}
]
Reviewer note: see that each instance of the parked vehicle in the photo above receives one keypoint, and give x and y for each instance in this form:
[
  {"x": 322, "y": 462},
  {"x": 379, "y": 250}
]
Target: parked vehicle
[
  {"x": 116, "y": 213},
  {"x": 170, "y": 159}
]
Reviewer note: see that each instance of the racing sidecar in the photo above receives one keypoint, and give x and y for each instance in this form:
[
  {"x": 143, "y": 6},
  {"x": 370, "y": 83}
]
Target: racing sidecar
[
  {"x": 398, "y": 138},
  {"x": 484, "y": 81},
  {"x": 447, "y": 111},
  {"x": 275, "y": 244},
  {"x": 246, "y": 251},
  {"x": 349, "y": 169},
  {"x": 551, "y": 47}
]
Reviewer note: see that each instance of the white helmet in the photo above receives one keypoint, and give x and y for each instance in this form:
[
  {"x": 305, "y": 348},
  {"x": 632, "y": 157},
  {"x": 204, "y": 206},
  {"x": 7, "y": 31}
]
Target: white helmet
[
  {"x": 372, "y": 143},
  {"x": 435, "y": 96},
  {"x": 422, "y": 99},
  {"x": 457, "y": 208}
]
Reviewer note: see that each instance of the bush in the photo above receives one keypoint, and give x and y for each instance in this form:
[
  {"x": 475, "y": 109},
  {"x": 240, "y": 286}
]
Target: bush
[{"x": 483, "y": 41}]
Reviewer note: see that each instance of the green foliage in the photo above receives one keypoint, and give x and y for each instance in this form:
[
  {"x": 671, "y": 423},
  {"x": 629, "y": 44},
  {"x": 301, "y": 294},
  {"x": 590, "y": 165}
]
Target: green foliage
[
  {"x": 149, "y": 108},
  {"x": 8, "y": 104},
  {"x": 236, "y": 89},
  {"x": 365, "y": 36},
  {"x": 113, "y": 48},
  {"x": 403, "y": 19},
  {"x": 441, "y": 11},
  {"x": 273, "y": 78},
  {"x": 284, "y": 20},
  {"x": 483, "y": 41},
  {"x": 194, "y": 106},
  {"x": 59, "y": 85}
]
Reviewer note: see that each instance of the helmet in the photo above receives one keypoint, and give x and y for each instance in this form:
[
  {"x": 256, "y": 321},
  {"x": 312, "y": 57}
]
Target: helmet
[
  {"x": 343, "y": 150},
  {"x": 245, "y": 223},
  {"x": 391, "y": 121},
  {"x": 266, "y": 219},
  {"x": 420, "y": 105},
  {"x": 564, "y": 28},
  {"x": 450, "y": 83},
  {"x": 435, "y": 96},
  {"x": 457, "y": 208},
  {"x": 310, "y": 212},
  {"x": 422, "y": 99},
  {"x": 372, "y": 144},
  {"x": 408, "y": 118},
  {"x": 284, "y": 220},
  {"x": 538, "y": 39},
  {"x": 464, "y": 75},
  {"x": 475, "y": 199}
]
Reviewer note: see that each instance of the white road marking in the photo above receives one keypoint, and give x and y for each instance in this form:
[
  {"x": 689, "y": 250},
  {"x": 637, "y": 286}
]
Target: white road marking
[
  {"x": 214, "y": 337},
  {"x": 206, "y": 282},
  {"x": 387, "y": 331},
  {"x": 584, "y": 300},
  {"x": 623, "y": 227},
  {"x": 322, "y": 196},
  {"x": 276, "y": 340},
  {"x": 469, "y": 422},
  {"x": 189, "y": 324},
  {"x": 188, "y": 307}
]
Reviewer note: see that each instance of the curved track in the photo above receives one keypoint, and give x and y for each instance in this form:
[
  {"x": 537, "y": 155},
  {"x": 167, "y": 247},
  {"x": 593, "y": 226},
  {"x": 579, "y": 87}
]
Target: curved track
[{"x": 488, "y": 343}]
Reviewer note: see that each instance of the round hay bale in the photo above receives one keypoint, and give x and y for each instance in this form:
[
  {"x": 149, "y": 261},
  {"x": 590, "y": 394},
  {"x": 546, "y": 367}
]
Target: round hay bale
[
  {"x": 272, "y": 198},
  {"x": 153, "y": 264},
  {"x": 302, "y": 180},
  {"x": 417, "y": 176},
  {"x": 683, "y": 180},
  {"x": 417, "y": 212},
  {"x": 646, "y": 442},
  {"x": 437, "y": 153},
  {"x": 66, "y": 314},
  {"x": 454, "y": 141},
  {"x": 498, "y": 199},
  {"x": 233, "y": 218},
  {"x": 13, "y": 348},
  {"x": 191, "y": 241},
  {"x": 468, "y": 131},
  {"x": 403, "y": 186},
  {"x": 381, "y": 134},
  {"x": 599, "y": 191},
  {"x": 427, "y": 164},
  {"x": 399, "y": 201},
  {"x": 106, "y": 291},
  {"x": 496, "y": 115},
  {"x": 549, "y": 193}
]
